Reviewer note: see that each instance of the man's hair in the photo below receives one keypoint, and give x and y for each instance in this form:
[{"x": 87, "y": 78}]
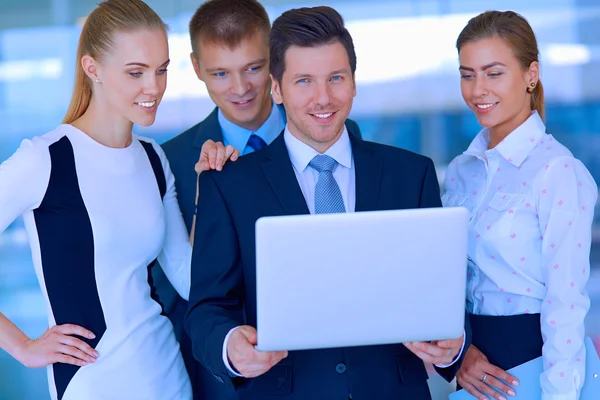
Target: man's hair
[
  {"x": 227, "y": 22},
  {"x": 307, "y": 27}
]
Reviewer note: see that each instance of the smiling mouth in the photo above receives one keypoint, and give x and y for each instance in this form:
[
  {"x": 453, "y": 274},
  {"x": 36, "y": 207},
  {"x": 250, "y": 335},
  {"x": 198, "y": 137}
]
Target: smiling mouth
[
  {"x": 242, "y": 103},
  {"x": 147, "y": 104},
  {"x": 323, "y": 115},
  {"x": 485, "y": 106}
]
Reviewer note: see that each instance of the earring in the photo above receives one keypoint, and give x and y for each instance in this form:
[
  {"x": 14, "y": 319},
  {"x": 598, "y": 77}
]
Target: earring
[
  {"x": 97, "y": 80},
  {"x": 532, "y": 88}
]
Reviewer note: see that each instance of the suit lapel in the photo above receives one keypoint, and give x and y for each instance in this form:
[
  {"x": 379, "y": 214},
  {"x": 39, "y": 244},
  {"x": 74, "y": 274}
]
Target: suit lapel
[
  {"x": 368, "y": 167},
  {"x": 280, "y": 174},
  {"x": 209, "y": 129}
]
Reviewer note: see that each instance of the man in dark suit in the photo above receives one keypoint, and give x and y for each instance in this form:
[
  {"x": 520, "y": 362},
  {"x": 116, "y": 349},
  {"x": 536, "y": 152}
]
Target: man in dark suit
[
  {"x": 314, "y": 166},
  {"x": 230, "y": 43}
]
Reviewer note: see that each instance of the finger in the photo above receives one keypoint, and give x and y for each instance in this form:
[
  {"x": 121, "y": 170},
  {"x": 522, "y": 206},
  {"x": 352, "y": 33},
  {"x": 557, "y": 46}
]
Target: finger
[
  {"x": 431, "y": 349},
  {"x": 81, "y": 345},
  {"x": 502, "y": 374},
  {"x": 229, "y": 150},
  {"x": 220, "y": 158},
  {"x": 66, "y": 359},
  {"x": 498, "y": 384},
  {"x": 451, "y": 343},
  {"x": 472, "y": 390},
  {"x": 75, "y": 352},
  {"x": 483, "y": 387},
  {"x": 424, "y": 356},
  {"x": 267, "y": 357},
  {"x": 70, "y": 329},
  {"x": 212, "y": 156},
  {"x": 235, "y": 155},
  {"x": 250, "y": 334}
]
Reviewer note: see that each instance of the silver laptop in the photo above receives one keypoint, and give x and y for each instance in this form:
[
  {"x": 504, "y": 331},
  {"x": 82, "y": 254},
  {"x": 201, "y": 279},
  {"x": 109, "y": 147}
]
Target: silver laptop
[{"x": 356, "y": 279}]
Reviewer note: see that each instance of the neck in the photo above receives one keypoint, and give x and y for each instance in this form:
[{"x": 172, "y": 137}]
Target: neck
[
  {"x": 499, "y": 132},
  {"x": 104, "y": 126}
]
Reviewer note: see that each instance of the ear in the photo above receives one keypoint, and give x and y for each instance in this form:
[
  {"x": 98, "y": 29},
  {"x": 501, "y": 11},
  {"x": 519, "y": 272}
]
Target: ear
[
  {"x": 533, "y": 73},
  {"x": 276, "y": 90},
  {"x": 90, "y": 67},
  {"x": 196, "y": 65}
]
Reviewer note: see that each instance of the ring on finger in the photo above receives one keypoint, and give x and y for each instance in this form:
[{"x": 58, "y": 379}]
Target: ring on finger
[{"x": 484, "y": 378}]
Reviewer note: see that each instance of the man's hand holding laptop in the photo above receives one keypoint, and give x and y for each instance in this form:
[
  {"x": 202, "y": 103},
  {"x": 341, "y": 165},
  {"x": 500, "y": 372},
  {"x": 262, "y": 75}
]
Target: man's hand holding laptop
[
  {"x": 250, "y": 363},
  {"x": 246, "y": 360}
]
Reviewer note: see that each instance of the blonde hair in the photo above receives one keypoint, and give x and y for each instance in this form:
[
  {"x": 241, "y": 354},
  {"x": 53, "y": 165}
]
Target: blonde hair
[
  {"x": 516, "y": 31},
  {"x": 110, "y": 17}
]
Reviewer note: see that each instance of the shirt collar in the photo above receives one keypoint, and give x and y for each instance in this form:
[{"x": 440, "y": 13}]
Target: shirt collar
[
  {"x": 302, "y": 154},
  {"x": 238, "y": 136},
  {"x": 516, "y": 146}
]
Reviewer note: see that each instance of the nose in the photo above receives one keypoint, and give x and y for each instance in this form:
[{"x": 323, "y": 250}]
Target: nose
[
  {"x": 151, "y": 85},
  {"x": 239, "y": 85},
  {"x": 479, "y": 87},
  {"x": 323, "y": 95}
]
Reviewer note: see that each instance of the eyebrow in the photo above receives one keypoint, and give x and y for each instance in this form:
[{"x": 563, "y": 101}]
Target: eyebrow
[
  {"x": 215, "y": 69},
  {"x": 139, "y": 64},
  {"x": 336, "y": 72},
  {"x": 485, "y": 67}
]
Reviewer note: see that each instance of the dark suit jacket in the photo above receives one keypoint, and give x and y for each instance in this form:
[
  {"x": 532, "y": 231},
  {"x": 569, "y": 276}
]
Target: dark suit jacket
[
  {"x": 223, "y": 291},
  {"x": 183, "y": 152}
]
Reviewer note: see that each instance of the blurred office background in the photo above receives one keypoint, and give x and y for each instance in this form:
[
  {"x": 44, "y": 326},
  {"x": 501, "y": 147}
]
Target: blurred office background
[{"x": 408, "y": 96}]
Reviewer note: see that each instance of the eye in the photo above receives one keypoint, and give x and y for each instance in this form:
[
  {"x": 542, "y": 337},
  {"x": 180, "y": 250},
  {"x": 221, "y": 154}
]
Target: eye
[
  {"x": 161, "y": 71},
  {"x": 466, "y": 76},
  {"x": 220, "y": 74},
  {"x": 495, "y": 74},
  {"x": 135, "y": 74},
  {"x": 255, "y": 69},
  {"x": 303, "y": 80},
  {"x": 336, "y": 78}
]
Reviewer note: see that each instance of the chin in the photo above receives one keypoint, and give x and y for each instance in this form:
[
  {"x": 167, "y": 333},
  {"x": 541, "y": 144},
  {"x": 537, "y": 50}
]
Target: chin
[{"x": 145, "y": 122}]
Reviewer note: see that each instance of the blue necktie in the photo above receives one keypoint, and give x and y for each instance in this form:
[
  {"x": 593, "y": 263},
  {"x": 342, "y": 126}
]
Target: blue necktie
[
  {"x": 256, "y": 142},
  {"x": 328, "y": 197}
]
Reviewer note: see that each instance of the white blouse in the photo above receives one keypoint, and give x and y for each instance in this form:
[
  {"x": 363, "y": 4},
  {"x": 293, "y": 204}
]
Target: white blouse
[{"x": 532, "y": 206}]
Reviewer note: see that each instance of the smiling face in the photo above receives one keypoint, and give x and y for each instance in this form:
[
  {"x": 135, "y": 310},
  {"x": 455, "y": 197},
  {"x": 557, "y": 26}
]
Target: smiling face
[
  {"x": 237, "y": 79},
  {"x": 317, "y": 89},
  {"x": 494, "y": 85},
  {"x": 133, "y": 75}
]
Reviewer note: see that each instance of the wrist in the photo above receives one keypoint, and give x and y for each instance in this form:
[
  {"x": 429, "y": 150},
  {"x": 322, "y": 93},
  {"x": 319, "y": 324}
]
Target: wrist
[{"x": 19, "y": 351}]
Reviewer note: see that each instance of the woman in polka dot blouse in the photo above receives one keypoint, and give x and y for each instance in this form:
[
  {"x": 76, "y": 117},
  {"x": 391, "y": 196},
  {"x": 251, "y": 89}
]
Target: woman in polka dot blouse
[{"x": 531, "y": 205}]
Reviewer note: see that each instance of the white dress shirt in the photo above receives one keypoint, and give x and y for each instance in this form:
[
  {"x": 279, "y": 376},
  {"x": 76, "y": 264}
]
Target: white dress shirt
[{"x": 532, "y": 206}]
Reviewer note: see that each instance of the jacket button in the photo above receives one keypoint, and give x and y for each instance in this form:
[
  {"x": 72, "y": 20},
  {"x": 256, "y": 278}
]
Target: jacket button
[{"x": 340, "y": 368}]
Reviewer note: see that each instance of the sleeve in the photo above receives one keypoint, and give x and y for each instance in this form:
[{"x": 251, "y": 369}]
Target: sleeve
[
  {"x": 566, "y": 199},
  {"x": 232, "y": 372},
  {"x": 217, "y": 292},
  {"x": 430, "y": 189},
  {"x": 24, "y": 179},
  {"x": 176, "y": 255}
]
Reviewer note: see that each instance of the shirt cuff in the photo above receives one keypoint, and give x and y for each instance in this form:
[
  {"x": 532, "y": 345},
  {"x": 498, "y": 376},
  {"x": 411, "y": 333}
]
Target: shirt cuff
[
  {"x": 232, "y": 372},
  {"x": 462, "y": 348}
]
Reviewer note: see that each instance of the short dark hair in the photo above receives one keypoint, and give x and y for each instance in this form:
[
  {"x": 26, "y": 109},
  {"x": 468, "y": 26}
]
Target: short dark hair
[
  {"x": 228, "y": 22},
  {"x": 307, "y": 27}
]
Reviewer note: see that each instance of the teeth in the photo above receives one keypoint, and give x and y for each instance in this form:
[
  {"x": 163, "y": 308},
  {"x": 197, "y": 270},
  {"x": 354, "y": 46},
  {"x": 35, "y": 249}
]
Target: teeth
[
  {"x": 148, "y": 104},
  {"x": 242, "y": 102},
  {"x": 484, "y": 106},
  {"x": 323, "y": 115}
]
